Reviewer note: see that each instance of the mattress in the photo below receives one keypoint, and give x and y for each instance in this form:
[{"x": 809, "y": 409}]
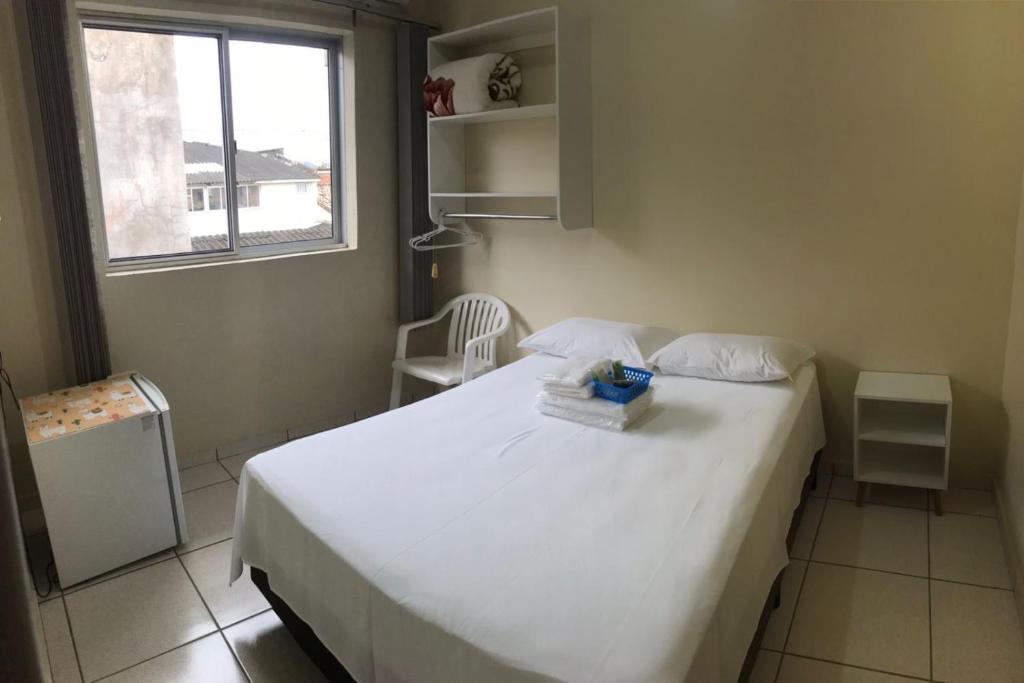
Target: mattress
[{"x": 467, "y": 538}]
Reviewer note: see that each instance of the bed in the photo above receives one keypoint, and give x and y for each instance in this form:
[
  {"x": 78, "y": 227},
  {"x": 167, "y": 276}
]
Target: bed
[{"x": 468, "y": 538}]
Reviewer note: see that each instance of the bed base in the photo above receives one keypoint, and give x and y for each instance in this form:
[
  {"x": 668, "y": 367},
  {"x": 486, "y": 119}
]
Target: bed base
[{"x": 334, "y": 671}]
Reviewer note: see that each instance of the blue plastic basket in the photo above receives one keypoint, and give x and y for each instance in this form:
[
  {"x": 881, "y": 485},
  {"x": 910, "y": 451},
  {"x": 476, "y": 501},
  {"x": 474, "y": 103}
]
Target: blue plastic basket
[{"x": 641, "y": 379}]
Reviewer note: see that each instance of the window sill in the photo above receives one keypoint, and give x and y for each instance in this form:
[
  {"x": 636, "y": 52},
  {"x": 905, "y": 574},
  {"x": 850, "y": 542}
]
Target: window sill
[{"x": 188, "y": 263}]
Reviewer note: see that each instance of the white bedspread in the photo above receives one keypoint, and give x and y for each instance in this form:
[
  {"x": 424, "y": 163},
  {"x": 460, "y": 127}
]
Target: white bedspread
[{"x": 467, "y": 538}]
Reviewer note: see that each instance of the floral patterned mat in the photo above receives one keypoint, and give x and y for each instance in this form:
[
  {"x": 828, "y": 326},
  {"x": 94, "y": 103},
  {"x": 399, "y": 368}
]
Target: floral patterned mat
[{"x": 76, "y": 409}]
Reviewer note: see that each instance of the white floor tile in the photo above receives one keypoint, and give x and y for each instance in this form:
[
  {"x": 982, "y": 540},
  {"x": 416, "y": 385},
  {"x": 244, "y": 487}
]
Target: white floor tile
[
  {"x": 207, "y": 660},
  {"x": 968, "y": 548},
  {"x": 969, "y": 502},
  {"x": 804, "y": 540},
  {"x": 801, "y": 670},
  {"x": 845, "y": 488},
  {"x": 765, "y": 667},
  {"x": 59, "y": 647},
  {"x": 976, "y": 634},
  {"x": 863, "y": 618},
  {"x": 210, "y": 513},
  {"x": 874, "y": 537},
  {"x": 210, "y": 568},
  {"x": 120, "y": 622},
  {"x": 203, "y": 475},
  {"x": 269, "y": 653},
  {"x": 778, "y": 623}
]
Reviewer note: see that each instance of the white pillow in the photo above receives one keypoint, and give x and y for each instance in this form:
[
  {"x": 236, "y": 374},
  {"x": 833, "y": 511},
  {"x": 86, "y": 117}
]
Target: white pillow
[
  {"x": 627, "y": 342},
  {"x": 733, "y": 357}
]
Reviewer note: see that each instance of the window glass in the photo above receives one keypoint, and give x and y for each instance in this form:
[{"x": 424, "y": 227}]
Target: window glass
[
  {"x": 281, "y": 107},
  {"x": 156, "y": 110},
  {"x": 216, "y": 198}
]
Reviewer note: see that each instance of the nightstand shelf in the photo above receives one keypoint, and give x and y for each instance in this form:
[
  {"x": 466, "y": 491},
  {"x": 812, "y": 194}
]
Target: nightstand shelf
[{"x": 901, "y": 431}]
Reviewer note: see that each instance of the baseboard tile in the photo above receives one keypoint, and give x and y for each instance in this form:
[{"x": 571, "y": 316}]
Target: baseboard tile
[
  {"x": 197, "y": 458},
  {"x": 316, "y": 427},
  {"x": 260, "y": 442},
  {"x": 1014, "y": 558}
]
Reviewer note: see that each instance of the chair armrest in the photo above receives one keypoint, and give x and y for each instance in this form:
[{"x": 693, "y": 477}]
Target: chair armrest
[{"x": 403, "y": 332}]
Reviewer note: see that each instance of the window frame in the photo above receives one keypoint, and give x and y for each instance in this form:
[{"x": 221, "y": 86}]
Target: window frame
[{"x": 225, "y": 32}]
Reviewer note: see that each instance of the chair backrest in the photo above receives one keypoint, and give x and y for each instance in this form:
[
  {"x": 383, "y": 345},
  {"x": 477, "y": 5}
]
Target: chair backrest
[{"x": 474, "y": 315}]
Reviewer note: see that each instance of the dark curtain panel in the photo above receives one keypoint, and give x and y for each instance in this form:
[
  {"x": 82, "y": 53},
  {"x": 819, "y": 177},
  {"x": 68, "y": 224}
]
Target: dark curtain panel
[
  {"x": 415, "y": 287},
  {"x": 47, "y": 30}
]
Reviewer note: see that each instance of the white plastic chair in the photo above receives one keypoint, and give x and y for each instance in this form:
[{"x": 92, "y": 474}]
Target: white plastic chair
[{"x": 478, "y": 320}]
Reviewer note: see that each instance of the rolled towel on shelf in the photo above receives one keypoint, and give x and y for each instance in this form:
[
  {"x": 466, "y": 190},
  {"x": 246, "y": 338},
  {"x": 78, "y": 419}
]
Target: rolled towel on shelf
[{"x": 471, "y": 85}]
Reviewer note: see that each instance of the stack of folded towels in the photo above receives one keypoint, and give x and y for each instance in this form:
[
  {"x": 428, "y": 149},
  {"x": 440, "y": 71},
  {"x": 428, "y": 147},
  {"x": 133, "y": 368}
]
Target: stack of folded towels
[{"x": 568, "y": 393}]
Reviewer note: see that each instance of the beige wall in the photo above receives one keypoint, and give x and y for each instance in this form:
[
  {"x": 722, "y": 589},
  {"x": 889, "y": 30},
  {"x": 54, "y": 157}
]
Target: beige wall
[
  {"x": 843, "y": 173},
  {"x": 1011, "y": 483},
  {"x": 246, "y": 349},
  {"x": 240, "y": 350},
  {"x": 29, "y": 327}
]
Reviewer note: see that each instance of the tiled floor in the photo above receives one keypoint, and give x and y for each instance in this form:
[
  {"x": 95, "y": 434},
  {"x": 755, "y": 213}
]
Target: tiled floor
[
  {"x": 883, "y": 593},
  {"x": 172, "y": 617},
  {"x": 890, "y": 592}
]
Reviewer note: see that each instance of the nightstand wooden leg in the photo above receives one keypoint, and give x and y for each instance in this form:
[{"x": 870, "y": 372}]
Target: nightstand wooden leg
[
  {"x": 862, "y": 487},
  {"x": 937, "y": 495}
]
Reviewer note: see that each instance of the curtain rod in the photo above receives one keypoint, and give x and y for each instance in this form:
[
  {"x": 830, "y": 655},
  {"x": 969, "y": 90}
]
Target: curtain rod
[{"x": 357, "y": 6}]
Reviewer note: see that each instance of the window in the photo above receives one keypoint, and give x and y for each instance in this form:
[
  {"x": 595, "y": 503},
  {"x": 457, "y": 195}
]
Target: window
[
  {"x": 162, "y": 114},
  {"x": 195, "y": 199},
  {"x": 248, "y": 196},
  {"x": 216, "y": 198}
]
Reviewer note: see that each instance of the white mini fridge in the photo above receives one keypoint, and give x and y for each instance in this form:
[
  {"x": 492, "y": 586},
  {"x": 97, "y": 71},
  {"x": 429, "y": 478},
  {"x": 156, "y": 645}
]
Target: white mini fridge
[{"x": 107, "y": 474}]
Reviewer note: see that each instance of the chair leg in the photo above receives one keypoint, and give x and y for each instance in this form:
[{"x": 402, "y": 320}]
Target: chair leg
[{"x": 396, "y": 389}]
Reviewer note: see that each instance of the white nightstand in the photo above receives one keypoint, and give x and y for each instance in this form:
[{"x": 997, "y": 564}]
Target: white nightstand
[{"x": 901, "y": 426}]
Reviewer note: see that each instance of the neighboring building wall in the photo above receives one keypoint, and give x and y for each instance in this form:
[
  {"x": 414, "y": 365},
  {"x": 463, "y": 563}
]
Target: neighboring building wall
[
  {"x": 139, "y": 142},
  {"x": 282, "y": 207}
]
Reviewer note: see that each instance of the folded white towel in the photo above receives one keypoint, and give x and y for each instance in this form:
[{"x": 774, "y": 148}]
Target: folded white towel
[
  {"x": 589, "y": 419},
  {"x": 584, "y": 392},
  {"x": 600, "y": 406},
  {"x": 594, "y": 413},
  {"x": 574, "y": 371}
]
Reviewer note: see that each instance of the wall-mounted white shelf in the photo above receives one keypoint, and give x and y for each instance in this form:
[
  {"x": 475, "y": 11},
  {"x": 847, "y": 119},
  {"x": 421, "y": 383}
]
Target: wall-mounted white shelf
[
  {"x": 902, "y": 425},
  {"x": 540, "y": 150},
  {"x": 535, "y": 111}
]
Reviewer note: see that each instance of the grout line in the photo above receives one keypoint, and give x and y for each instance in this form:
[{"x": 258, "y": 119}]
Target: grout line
[
  {"x": 180, "y": 553},
  {"x": 206, "y": 486},
  {"x": 234, "y": 655},
  {"x": 71, "y": 632},
  {"x": 251, "y": 616},
  {"x": 911, "y": 576},
  {"x": 192, "y": 581},
  {"x": 803, "y": 579},
  {"x": 151, "y": 658},
  {"x": 856, "y": 666}
]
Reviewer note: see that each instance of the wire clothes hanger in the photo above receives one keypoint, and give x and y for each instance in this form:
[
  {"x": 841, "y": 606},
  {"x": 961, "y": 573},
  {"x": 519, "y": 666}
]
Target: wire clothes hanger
[{"x": 467, "y": 237}]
